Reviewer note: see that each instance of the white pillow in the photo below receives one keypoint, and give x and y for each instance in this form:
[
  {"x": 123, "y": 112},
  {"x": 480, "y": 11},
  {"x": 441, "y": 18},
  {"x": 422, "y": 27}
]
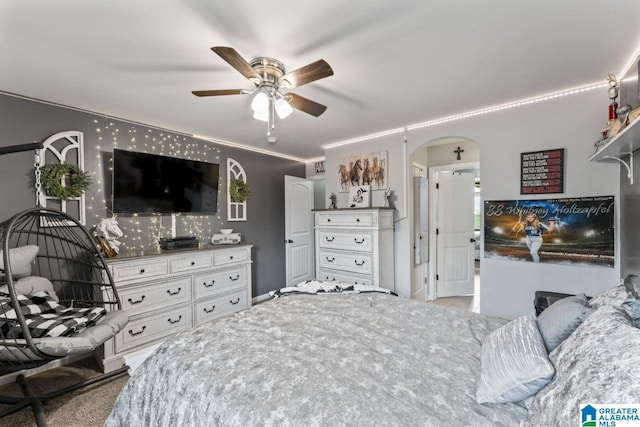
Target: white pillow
[
  {"x": 21, "y": 259},
  {"x": 514, "y": 363},
  {"x": 612, "y": 296}
]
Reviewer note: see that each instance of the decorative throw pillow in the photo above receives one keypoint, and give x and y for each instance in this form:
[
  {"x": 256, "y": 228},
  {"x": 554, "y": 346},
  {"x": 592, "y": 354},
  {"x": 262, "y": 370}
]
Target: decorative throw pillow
[
  {"x": 514, "y": 363},
  {"x": 30, "y": 285},
  {"x": 579, "y": 299},
  {"x": 632, "y": 304},
  {"x": 613, "y": 296},
  {"x": 558, "y": 321},
  {"x": 598, "y": 363},
  {"x": 21, "y": 259}
]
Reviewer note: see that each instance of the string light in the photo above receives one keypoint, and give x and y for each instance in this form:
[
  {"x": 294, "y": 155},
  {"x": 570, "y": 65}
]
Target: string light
[{"x": 141, "y": 231}]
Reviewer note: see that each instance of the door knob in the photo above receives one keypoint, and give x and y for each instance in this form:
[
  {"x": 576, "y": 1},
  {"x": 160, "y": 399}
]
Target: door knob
[
  {"x": 288, "y": 241},
  {"x": 472, "y": 240}
]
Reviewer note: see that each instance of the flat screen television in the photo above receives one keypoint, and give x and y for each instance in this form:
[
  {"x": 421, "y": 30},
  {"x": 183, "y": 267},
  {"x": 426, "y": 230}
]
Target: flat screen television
[{"x": 149, "y": 183}]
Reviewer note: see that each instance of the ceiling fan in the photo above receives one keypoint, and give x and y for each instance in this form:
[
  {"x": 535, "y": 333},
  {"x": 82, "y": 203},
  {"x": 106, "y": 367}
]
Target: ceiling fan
[{"x": 269, "y": 77}]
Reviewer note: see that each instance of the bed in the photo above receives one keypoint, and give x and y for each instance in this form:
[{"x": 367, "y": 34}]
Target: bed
[{"x": 345, "y": 356}]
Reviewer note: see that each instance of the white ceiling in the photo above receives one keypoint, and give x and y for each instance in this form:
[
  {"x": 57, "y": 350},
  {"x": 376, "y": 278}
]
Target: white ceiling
[{"x": 396, "y": 63}]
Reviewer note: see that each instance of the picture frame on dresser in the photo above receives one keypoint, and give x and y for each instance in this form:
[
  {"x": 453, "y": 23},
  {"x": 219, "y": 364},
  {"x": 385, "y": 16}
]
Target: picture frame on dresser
[{"x": 360, "y": 196}]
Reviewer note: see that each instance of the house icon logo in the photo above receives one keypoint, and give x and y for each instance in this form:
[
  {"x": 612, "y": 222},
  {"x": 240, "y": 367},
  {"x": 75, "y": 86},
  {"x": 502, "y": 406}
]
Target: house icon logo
[{"x": 588, "y": 415}]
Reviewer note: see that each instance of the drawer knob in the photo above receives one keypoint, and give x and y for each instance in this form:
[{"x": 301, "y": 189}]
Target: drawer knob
[
  {"x": 133, "y": 334},
  {"x": 330, "y": 239},
  {"x": 234, "y": 302},
  {"x": 132, "y": 302},
  {"x": 359, "y": 242},
  {"x": 174, "y": 293},
  {"x": 359, "y": 264},
  {"x": 193, "y": 263},
  {"x": 174, "y": 321},
  {"x": 357, "y": 219},
  {"x": 330, "y": 259},
  {"x": 328, "y": 219},
  {"x": 231, "y": 257},
  {"x": 211, "y": 310},
  {"x": 233, "y": 279},
  {"x": 142, "y": 271},
  {"x": 208, "y": 285}
]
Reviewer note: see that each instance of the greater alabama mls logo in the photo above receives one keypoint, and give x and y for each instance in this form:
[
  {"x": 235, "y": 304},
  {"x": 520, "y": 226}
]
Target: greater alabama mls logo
[{"x": 603, "y": 415}]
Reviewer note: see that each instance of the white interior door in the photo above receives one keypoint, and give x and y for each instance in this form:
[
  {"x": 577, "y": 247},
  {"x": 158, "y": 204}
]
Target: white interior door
[
  {"x": 298, "y": 202},
  {"x": 455, "y": 234}
]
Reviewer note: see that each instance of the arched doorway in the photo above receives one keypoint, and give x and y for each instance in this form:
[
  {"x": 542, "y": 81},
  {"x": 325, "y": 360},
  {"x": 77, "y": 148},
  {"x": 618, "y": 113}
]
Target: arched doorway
[{"x": 445, "y": 236}]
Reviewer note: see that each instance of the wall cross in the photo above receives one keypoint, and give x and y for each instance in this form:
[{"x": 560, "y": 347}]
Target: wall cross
[{"x": 458, "y": 151}]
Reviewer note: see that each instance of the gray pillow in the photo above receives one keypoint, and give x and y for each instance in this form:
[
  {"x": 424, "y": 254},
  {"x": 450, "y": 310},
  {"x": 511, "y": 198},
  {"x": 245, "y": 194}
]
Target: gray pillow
[
  {"x": 21, "y": 259},
  {"x": 559, "y": 320},
  {"x": 514, "y": 363},
  {"x": 632, "y": 304},
  {"x": 580, "y": 299},
  {"x": 612, "y": 296},
  {"x": 30, "y": 285},
  {"x": 598, "y": 363}
]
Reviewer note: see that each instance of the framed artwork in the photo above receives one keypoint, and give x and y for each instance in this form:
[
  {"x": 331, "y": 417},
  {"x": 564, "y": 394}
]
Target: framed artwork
[
  {"x": 364, "y": 169},
  {"x": 542, "y": 172},
  {"x": 360, "y": 196}
]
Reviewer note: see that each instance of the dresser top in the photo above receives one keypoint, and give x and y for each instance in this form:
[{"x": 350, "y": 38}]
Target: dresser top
[
  {"x": 354, "y": 209},
  {"x": 163, "y": 252}
]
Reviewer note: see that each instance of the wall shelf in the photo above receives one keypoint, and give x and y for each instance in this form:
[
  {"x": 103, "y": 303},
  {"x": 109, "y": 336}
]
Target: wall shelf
[{"x": 621, "y": 146}]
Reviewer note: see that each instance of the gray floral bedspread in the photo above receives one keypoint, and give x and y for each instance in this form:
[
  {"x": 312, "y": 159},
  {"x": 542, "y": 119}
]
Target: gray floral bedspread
[{"x": 319, "y": 360}]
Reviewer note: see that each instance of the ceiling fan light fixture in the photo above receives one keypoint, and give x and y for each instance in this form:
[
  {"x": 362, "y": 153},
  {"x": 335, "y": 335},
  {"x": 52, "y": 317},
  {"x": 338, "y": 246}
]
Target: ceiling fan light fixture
[
  {"x": 263, "y": 115},
  {"x": 260, "y": 103},
  {"x": 283, "y": 108}
]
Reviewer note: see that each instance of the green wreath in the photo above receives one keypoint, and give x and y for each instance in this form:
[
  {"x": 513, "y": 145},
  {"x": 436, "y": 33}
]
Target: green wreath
[
  {"x": 239, "y": 191},
  {"x": 51, "y": 180}
]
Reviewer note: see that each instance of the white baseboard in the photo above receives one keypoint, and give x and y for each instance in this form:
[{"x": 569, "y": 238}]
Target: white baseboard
[{"x": 260, "y": 298}]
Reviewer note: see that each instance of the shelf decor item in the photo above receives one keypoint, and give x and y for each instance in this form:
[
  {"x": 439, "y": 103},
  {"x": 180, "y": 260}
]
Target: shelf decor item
[
  {"x": 64, "y": 181},
  {"x": 239, "y": 191}
]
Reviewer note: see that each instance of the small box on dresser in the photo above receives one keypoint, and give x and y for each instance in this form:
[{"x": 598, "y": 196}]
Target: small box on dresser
[
  {"x": 166, "y": 292},
  {"x": 355, "y": 245}
]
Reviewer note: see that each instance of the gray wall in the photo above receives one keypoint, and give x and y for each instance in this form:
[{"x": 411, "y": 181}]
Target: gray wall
[
  {"x": 630, "y": 213},
  {"x": 24, "y": 121}
]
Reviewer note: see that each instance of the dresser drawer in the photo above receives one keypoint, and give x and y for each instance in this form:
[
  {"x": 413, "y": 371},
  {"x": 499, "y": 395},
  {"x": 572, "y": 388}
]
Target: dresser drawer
[
  {"x": 355, "y": 219},
  {"x": 354, "y": 241},
  {"x": 190, "y": 263},
  {"x": 150, "y": 328},
  {"x": 150, "y": 296},
  {"x": 228, "y": 256},
  {"x": 357, "y": 263},
  {"x": 213, "y": 308},
  {"x": 342, "y": 277},
  {"x": 139, "y": 270},
  {"x": 212, "y": 283}
]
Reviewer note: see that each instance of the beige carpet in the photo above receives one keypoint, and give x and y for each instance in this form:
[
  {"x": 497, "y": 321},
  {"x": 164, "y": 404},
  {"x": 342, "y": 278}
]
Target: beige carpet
[{"x": 87, "y": 407}]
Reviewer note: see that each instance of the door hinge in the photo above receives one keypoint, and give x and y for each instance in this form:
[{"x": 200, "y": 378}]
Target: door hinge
[
  {"x": 437, "y": 231},
  {"x": 437, "y": 277},
  {"x": 437, "y": 185}
]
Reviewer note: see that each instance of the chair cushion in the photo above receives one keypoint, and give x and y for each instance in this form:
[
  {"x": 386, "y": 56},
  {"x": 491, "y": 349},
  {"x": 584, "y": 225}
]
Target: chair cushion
[{"x": 21, "y": 259}]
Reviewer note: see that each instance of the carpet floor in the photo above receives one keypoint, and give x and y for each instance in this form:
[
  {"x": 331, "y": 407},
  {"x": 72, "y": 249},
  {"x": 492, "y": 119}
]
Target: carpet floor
[{"x": 87, "y": 407}]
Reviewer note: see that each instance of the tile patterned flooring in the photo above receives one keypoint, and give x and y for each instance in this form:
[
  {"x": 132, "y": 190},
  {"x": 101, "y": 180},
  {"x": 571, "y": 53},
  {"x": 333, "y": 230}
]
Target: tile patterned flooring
[{"x": 465, "y": 302}]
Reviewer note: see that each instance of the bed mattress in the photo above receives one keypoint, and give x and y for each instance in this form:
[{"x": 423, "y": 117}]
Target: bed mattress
[{"x": 319, "y": 360}]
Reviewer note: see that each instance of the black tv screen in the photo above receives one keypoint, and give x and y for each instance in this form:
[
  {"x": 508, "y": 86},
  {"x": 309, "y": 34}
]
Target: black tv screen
[{"x": 149, "y": 183}]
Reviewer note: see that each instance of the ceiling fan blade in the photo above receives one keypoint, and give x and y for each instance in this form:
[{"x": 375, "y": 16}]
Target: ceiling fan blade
[
  {"x": 234, "y": 59},
  {"x": 219, "y": 92},
  {"x": 304, "y": 104},
  {"x": 307, "y": 74}
]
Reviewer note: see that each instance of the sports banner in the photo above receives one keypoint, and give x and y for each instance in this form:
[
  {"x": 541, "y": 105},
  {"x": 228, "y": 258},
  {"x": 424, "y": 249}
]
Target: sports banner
[{"x": 576, "y": 231}]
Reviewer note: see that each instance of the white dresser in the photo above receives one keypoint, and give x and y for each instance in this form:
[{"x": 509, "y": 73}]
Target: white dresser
[
  {"x": 355, "y": 245},
  {"x": 168, "y": 291}
]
